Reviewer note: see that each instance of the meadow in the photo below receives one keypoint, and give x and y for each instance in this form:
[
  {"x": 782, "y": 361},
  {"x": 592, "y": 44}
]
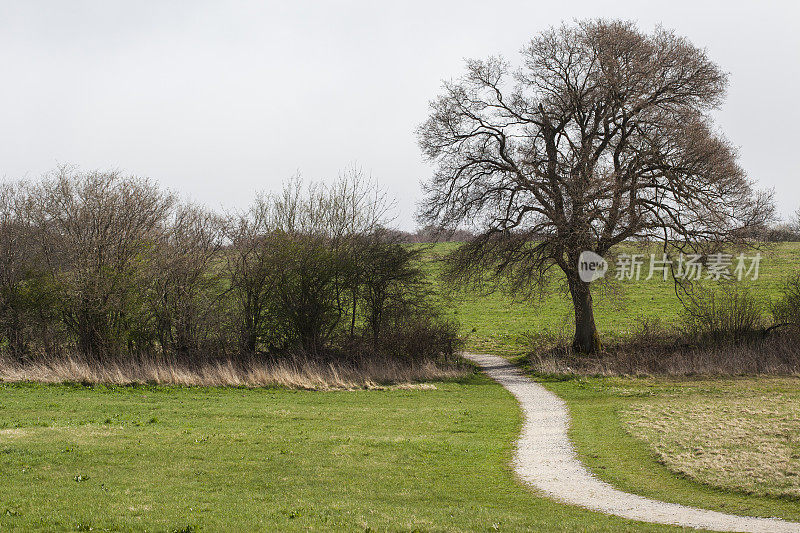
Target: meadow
[
  {"x": 157, "y": 458},
  {"x": 420, "y": 456},
  {"x": 493, "y": 322},
  {"x": 727, "y": 443}
]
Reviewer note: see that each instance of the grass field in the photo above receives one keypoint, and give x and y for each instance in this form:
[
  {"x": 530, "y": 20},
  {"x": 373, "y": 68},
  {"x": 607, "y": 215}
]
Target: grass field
[
  {"x": 496, "y": 324},
  {"x": 434, "y": 457},
  {"x": 210, "y": 459},
  {"x": 718, "y": 463},
  {"x": 745, "y": 437},
  {"x": 729, "y": 444}
]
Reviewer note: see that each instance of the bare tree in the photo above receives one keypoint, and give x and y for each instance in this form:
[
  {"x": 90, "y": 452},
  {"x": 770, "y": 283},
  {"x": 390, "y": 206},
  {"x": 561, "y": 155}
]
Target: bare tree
[
  {"x": 18, "y": 259},
  {"x": 602, "y": 135},
  {"x": 184, "y": 282},
  {"x": 796, "y": 221},
  {"x": 95, "y": 228}
]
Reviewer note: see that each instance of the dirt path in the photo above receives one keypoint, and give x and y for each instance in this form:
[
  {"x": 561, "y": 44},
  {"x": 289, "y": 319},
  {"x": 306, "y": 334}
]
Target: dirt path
[{"x": 546, "y": 460}]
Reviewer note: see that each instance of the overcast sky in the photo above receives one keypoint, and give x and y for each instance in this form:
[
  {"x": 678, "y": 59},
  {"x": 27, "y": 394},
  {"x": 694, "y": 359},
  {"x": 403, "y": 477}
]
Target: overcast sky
[{"x": 217, "y": 100}]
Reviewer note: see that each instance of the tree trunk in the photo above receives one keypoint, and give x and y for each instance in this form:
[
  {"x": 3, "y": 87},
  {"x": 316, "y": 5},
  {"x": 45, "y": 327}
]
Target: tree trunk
[
  {"x": 15, "y": 337},
  {"x": 251, "y": 315},
  {"x": 586, "y": 340},
  {"x": 248, "y": 343}
]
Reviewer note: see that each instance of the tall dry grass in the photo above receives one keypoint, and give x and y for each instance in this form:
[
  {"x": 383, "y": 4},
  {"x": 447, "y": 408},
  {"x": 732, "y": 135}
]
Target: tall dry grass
[
  {"x": 296, "y": 373},
  {"x": 665, "y": 355}
]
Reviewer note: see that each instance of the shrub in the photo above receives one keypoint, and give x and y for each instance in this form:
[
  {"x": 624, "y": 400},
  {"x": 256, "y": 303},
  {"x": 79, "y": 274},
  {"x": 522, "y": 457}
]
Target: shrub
[
  {"x": 787, "y": 309},
  {"x": 94, "y": 229},
  {"x": 109, "y": 269},
  {"x": 425, "y": 337},
  {"x": 20, "y": 273},
  {"x": 730, "y": 313},
  {"x": 252, "y": 270},
  {"x": 308, "y": 305},
  {"x": 544, "y": 340},
  {"x": 182, "y": 288}
]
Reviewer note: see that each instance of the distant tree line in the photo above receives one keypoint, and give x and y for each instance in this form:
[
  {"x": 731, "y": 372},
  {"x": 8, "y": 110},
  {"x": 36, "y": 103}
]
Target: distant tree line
[
  {"x": 430, "y": 234},
  {"x": 780, "y": 232},
  {"x": 107, "y": 266}
]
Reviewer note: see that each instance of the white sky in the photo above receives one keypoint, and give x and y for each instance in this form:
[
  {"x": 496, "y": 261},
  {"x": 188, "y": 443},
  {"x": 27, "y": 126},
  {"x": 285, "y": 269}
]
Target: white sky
[{"x": 217, "y": 100}]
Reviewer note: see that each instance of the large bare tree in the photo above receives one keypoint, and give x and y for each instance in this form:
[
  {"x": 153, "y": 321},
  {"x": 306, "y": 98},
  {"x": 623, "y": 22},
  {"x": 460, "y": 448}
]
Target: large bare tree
[{"x": 602, "y": 135}]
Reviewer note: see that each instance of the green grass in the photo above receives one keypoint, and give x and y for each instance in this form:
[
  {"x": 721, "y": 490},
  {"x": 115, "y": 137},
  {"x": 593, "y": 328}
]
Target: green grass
[
  {"x": 209, "y": 459},
  {"x": 606, "y": 411},
  {"x": 601, "y": 410},
  {"x": 194, "y": 459},
  {"x": 494, "y": 323}
]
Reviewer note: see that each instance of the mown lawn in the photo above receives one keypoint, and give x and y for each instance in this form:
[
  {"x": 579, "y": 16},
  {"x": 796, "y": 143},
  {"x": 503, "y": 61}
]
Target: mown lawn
[
  {"x": 212, "y": 459},
  {"x": 725, "y": 444},
  {"x": 495, "y": 323}
]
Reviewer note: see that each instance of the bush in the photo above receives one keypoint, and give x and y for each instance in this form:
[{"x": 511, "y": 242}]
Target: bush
[
  {"x": 730, "y": 313},
  {"x": 110, "y": 269},
  {"x": 779, "y": 233},
  {"x": 424, "y": 339},
  {"x": 787, "y": 309},
  {"x": 95, "y": 230},
  {"x": 413, "y": 341},
  {"x": 654, "y": 350}
]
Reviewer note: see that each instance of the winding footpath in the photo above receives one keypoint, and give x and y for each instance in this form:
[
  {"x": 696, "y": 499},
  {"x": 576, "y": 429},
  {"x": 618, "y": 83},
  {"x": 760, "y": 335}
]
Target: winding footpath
[{"x": 546, "y": 460}]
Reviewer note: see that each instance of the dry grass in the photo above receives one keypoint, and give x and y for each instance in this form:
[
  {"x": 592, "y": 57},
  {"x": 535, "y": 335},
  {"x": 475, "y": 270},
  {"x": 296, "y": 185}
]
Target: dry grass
[
  {"x": 296, "y": 373},
  {"x": 746, "y": 442},
  {"x": 664, "y": 354}
]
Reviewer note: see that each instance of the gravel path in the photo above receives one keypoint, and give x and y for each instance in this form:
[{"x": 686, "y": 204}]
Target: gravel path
[{"x": 546, "y": 460}]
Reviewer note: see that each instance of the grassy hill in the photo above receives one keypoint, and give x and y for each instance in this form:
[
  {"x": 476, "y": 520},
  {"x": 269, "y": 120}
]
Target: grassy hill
[{"x": 494, "y": 323}]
